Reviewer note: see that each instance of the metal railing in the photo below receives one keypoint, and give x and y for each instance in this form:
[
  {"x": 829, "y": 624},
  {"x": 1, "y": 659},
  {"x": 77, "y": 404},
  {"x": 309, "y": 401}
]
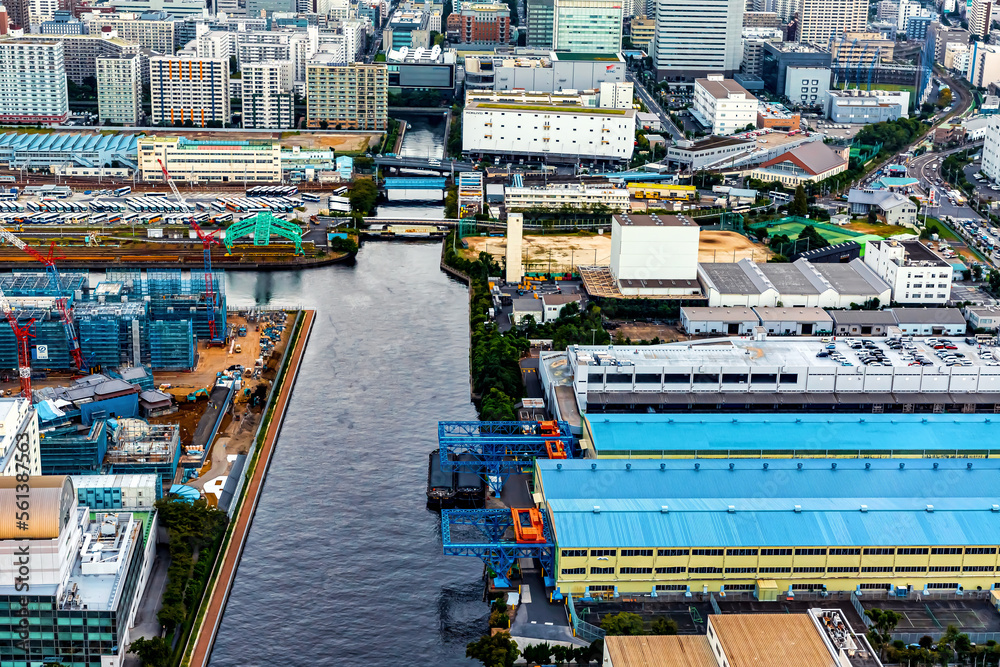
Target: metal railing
[{"x": 581, "y": 629}]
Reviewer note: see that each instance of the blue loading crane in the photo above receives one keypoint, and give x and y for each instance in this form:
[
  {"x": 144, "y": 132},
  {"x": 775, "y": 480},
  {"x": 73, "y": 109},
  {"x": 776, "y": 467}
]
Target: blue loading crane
[
  {"x": 490, "y": 535},
  {"x": 500, "y": 449}
]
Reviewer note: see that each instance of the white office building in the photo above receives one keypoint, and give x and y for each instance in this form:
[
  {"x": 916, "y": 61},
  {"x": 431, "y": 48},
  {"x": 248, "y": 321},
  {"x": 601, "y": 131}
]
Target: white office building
[
  {"x": 695, "y": 39},
  {"x": 616, "y": 95},
  {"x": 32, "y": 82},
  {"x": 189, "y": 89},
  {"x": 573, "y": 195},
  {"x": 263, "y": 46},
  {"x": 808, "y": 86},
  {"x": 991, "y": 150},
  {"x": 267, "y": 95},
  {"x": 19, "y": 438},
  {"x": 916, "y": 275},
  {"x": 723, "y": 105},
  {"x": 555, "y": 133},
  {"x": 119, "y": 90}
]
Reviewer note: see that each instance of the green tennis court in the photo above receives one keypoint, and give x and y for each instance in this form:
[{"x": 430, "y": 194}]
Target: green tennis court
[{"x": 832, "y": 234}]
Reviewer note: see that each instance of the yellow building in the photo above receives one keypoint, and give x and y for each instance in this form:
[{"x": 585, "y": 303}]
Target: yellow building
[
  {"x": 209, "y": 161},
  {"x": 662, "y": 191},
  {"x": 347, "y": 96},
  {"x": 770, "y": 527},
  {"x": 643, "y": 31}
]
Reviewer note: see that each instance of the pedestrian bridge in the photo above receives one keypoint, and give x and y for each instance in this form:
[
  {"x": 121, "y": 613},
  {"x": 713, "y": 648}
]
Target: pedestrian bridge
[{"x": 423, "y": 183}]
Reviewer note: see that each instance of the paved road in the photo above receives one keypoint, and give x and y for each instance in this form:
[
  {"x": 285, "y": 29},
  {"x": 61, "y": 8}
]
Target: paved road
[
  {"x": 529, "y": 373},
  {"x": 205, "y": 638},
  {"x": 920, "y": 167},
  {"x": 654, "y": 107}
]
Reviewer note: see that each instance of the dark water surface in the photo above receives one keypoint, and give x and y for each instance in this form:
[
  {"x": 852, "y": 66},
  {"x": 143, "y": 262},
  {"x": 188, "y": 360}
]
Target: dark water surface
[{"x": 343, "y": 564}]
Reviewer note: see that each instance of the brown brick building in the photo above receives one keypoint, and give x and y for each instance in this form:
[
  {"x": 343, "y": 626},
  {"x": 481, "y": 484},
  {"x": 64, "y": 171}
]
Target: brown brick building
[{"x": 479, "y": 23}]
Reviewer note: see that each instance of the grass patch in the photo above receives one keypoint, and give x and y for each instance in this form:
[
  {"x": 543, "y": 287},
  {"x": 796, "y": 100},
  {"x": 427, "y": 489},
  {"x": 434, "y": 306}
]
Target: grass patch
[{"x": 540, "y": 107}]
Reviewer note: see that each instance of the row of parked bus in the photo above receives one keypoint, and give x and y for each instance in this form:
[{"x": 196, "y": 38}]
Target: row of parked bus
[
  {"x": 272, "y": 191},
  {"x": 256, "y": 204}
]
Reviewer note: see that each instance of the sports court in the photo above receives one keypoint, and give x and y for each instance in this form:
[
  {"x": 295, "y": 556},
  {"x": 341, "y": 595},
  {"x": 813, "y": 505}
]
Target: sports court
[
  {"x": 933, "y": 616},
  {"x": 793, "y": 228}
]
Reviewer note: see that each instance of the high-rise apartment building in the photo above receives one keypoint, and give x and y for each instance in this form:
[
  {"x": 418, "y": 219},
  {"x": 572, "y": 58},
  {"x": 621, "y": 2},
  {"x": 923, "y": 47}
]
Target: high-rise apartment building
[
  {"x": 255, "y": 7},
  {"x": 80, "y": 52},
  {"x": 346, "y": 95},
  {"x": 149, "y": 34},
  {"x": 587, "y": 26},
  {"x": 695, "y": 39},
  {"x": 980, "y": 16},
  {"x": 32, "y": 82},
  {"x": 16, "y": 13},
  {"x": 267, "y": 98},
  {"x": 540, "y": 17},
  {"x": 820, "y": 19},
  {"x": 194, "y": 90},
  {"x": 119, "y": 90},
  {"x": 40, "y": 11}
]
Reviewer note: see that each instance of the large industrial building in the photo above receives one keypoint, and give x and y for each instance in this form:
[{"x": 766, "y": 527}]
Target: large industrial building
[
  {"x": 552, "y": 133},
  {"x": 254, "y": 161},
  {"x": 712, "y": 525},
  {"x": 760, "y": 373},
  {"x": 86, "y": 582},
  {"x": 22, "y": 149},
  {"x": 800, "y": 283}
]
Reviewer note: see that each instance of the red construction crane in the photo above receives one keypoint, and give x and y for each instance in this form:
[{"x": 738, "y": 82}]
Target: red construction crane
[
  {"x": 62, "y": 303},
  {"x": 21, "y": 335},
  {"x": 207, "y": 241}
]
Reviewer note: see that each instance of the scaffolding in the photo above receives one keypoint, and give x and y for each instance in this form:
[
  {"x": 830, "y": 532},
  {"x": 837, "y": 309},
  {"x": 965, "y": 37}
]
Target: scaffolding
[
  {"x": 171, "y": 345},
  {"x": 113, "y": 334}
]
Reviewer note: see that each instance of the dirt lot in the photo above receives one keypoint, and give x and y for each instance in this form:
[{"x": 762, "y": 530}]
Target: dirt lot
[
  {"x": 349, "y": 143},
  {"x": 560, "y": 253},
  {"x": 718, "y": 246},
  {"x": 878, "y": 230}
]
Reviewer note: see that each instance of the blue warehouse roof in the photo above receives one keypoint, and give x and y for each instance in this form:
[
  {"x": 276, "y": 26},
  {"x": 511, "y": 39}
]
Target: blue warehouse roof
[
  {"x": 717, "y": 434},
  {"x": 671, "y": 503},
  {"x": 79, "y": 147}
]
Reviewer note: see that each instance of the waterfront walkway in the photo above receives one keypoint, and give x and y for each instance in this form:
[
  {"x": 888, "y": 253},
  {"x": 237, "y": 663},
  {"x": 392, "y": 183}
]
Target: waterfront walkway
[{"x": 205, "y": 637}]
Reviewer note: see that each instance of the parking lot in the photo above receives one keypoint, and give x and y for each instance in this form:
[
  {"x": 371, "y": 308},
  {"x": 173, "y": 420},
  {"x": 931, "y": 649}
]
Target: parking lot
[{"x": 122, "y": 207}]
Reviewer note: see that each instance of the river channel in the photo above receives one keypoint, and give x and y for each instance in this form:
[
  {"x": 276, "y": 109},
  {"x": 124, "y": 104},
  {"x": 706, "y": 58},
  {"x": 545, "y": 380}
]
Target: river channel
[{"x": 343, "y": 564}]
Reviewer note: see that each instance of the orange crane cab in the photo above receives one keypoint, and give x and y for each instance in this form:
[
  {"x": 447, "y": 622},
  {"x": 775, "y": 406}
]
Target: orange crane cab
[
  {"x": 528, "y": 525},
  {"x": 556, "y": 449},
  {"x": 548, "y": 427}
]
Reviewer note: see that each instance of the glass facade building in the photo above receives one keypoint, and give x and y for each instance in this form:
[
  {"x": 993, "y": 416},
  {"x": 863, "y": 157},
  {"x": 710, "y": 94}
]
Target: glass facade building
[{"x": 587, "y": 26}]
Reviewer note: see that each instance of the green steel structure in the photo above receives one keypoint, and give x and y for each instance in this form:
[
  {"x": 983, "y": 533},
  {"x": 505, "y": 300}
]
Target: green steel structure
[{"x": 261, "y": 227}]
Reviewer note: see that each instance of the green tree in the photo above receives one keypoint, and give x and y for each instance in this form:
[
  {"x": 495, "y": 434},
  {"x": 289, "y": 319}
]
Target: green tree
[
  {"x": 664, "y": 626},
  {"x": 497, "y": 406},
  {"x": 944, "y": 98},
  {"x": 363, "y": 195},
  {"x": 151, "y": 652},
  {"x": 498, "y": 650},
  {"x": 884, "y": 621},
  {"x": 623, "y": 623},
  {"x": 815, "y": 239},
  {"x": 537, "y": 654},
  {"x": 800, "y": 204}
]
